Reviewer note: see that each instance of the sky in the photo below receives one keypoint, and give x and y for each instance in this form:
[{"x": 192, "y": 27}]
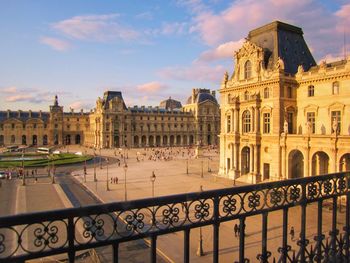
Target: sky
[{"x": 150, "y": 50}]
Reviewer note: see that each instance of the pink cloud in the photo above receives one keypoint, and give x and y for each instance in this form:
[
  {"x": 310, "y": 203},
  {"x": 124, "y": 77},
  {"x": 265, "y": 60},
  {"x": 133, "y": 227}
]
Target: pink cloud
[
  {"x": 344, "y": 19},
  {"x": 195, "y": 72},
  {"x": 9, "y": 90},
  {"x": 151, "y": 87},
  {"x": 222, "y": 51},
  {"x": 55, "y": 43},
  {"x": 100, "y": 28},
  {"x": 77, "y": 105}
]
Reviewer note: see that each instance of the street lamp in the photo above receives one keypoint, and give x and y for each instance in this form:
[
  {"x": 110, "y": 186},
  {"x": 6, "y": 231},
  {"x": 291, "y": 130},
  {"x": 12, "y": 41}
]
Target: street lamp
[
  {"x": 153, "y": 179},
  {"x": 53, "y": 171},
  {"x": 200, "y": 241},
  {"x": 95, "y": 180},
  {"x": 107, "y": 175},
  {"x": 209, "y": 170},
  {"x": 202, "y": 169},
  {"x": 23, "y": 173},
  {"x": 85, "y": 173},
  {"x": 187, "y": 166},
  {"x": 125, "y": 169},
  {"x": 100, "y": 159}
]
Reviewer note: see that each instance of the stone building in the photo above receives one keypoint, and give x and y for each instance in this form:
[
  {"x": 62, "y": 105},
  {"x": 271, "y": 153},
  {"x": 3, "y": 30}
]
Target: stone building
[
  {"x": 112, "y": 124},
  {"x": 282, "y": 115}
]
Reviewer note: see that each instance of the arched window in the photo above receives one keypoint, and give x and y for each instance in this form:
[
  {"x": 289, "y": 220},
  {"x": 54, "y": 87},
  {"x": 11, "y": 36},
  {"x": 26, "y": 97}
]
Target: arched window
[
  {"x": 266, "y": 93},
  {"x": 13, "y": 139},
  {"x": 45, "y": 139},
  {"x": 24, "y": 140},
  {"x": 246, "y": 121},
  {"x": 311, "y": 91},
  {"x": 335, "y": 88},
  {"x": 228, "y": 123},
  {"x": 1, "y": 139},
  {"x": 248, "y": 70}
]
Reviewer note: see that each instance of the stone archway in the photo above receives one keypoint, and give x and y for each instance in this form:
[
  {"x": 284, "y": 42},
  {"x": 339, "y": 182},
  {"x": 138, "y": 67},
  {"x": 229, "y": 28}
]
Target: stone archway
[
  {"x": 344, "y": 164},
  {"x": 77, "y": 139},
  {"x": 157, "y": 140},
  {"x": 245, "y": 160},
  {"x": 172, "y": 140},
  {"x": 295, "y": 164},
  {"x": 178, "y": 140},
  {"x": 165, "y": 140},
  {"x": 151, "y": 141},
  {"x": 136, "y": 141},
  {"x": 143, "y": 140},
  {"x": 320, "y": 163}
]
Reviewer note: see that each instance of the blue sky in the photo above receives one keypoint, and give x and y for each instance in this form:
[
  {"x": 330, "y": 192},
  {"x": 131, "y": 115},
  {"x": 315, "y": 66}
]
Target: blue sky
[{"x": 149, "y": 50}]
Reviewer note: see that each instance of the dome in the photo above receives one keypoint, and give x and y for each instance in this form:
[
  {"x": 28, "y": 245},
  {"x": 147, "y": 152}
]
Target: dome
[
  {"x": 201, "y": 95},
  {"x": 170, "y": 104}
]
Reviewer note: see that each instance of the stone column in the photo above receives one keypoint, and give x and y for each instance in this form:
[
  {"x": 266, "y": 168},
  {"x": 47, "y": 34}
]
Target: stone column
[
  {"x": 236, "y": 120},
  {"x": 284, "y": 168},
  {"x": 257, "y": 119},
  {"x": 251, "y": 163},
  {"x": 256, "y": 160},
  {"x": 307, "y": 163}
]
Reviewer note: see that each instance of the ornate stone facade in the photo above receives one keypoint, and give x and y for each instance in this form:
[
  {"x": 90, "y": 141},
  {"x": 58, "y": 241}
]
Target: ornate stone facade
[
  {"x": 112, "y": 124},
  {"x": 283, "y": 116}
]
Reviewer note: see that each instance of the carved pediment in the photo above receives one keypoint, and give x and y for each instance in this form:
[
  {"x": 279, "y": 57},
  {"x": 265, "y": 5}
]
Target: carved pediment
[{"x": 247, "y": 49}]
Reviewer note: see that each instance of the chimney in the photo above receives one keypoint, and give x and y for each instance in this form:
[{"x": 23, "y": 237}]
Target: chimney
[
  {"x": 82, "y": 111},
  {"x": 40, "y": 114},
  {"x": 213, "y": 92},
  {"x": 8, "y": 114},
  {"x": 19, "y": 114},
  {"x": 30, "y": 113},
  {"x": 193, "y": 94}
]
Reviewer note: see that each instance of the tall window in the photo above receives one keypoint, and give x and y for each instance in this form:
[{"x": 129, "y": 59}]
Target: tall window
[
  {"x": 266, "y": 93},
  {"x": 335, "y": 88},
  {"x": 336, "y": 118},
  {"x": 13, "y": 139},
  {"x": 290, "y": 122},
  {"x": 246, "y": 95},
  {"x": 266, "y": 117},
  {"x": 228, "y": 123},
  {"x": 246, "y": 121},
  {"x": 310, "y": 116},
  {"x": 311, "y": 91},
  {"x": 248, "y": 70},
  {"x": 289, "y": 92}
]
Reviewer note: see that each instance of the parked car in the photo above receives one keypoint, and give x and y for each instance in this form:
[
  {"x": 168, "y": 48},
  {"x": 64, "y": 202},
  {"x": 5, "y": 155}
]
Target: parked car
[{"x": 3, "y": 175}]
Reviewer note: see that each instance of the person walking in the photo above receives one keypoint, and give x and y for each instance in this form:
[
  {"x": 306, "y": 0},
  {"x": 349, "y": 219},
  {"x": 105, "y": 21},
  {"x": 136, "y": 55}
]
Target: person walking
[
  {"x": 292, "y": 233},
  {"x": 235, "y": 230}
]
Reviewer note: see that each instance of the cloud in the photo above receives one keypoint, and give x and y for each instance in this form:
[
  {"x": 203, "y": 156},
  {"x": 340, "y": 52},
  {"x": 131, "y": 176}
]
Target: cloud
[
  {"x": 77, "y": 105},
  {"x": 35, "y": 96},
  {"x": 100, "y": 28},
  {"x": 144, "y": 16},
  {"x": 197, "y": 71},
  {"x": 151, "y": 87},
  {"x": 222, "y": 51},
  {"x": 169, "y": 29},
  {"x": 234, "y": 22},
  {"x": 56, "y": 43}
]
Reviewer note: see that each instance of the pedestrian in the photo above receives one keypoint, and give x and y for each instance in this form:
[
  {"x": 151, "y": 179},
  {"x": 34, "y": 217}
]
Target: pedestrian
[
  {"x": 236, "y": 229},
  {"x": 111, "y": 180},
  {"x": 292, "y": 233}
]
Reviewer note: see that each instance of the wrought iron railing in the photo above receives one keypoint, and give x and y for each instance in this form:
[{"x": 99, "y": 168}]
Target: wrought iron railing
[{"x": 34, "y": 235}]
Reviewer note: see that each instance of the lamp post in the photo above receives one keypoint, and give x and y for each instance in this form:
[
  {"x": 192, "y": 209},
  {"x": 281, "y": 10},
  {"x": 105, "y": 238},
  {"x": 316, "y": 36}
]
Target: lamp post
[
  {"x": 187, "y": 166},
  {"x": 200, "y": 241},
  {"x": 53, "y": 171},
  {"x": 85, "y": 173},
  {"x": 107, "y": 174},
  {"x": 202, "y": 169},
  {"x": 23, "y": 173},
  {"x": 153, "y": 179},
  {"x": 100, "y": 159},
  {"x": 95, "y": 180},
  {"x": 209, "y": 170},
  {"x": 125, "y": 169}
]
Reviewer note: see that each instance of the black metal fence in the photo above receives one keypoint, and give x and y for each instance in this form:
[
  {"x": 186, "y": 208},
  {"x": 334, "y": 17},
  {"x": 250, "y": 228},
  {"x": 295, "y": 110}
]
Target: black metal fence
[{"x": 43, "y": 234}]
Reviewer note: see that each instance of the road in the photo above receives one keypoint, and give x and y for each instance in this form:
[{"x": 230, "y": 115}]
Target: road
[{"x": 42, "y": 195}]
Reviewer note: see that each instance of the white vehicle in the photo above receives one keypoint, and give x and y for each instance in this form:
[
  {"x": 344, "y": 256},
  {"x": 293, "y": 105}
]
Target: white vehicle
[{"x": 44, "y": 150}]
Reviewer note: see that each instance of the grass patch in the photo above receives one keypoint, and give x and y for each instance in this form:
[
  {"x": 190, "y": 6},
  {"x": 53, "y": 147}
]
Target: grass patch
[{"x": 56, "y": 159}]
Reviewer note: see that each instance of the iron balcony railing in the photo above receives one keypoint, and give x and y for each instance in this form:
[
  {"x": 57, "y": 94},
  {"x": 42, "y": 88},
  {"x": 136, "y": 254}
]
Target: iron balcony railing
[{"x": 42, "y": 234}]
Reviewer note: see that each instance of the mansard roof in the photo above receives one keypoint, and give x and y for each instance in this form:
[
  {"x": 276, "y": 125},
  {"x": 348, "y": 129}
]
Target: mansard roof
[
  {"x": 170, "y": 104},
  {"x": 285, "y": 41},
  {"x": 24, "y": 115},
  {"x": 109, "y": 95}
]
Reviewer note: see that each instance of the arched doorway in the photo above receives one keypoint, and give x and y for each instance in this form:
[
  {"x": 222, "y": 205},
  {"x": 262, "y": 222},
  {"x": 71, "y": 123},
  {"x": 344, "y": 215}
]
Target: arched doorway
[
  {"x": 45, "y": 140},
  {"x": 68, "y": 139},
  {"x": 320, "y": 163},
  {"x": 143, "y": 140},
  {"x": 158, "y": 140},
  {"x": 77, "y": 139},
  {"x": 35, "y": 140},
  {"x": 191, "y": 139},
  {"x": 116, "y": 141},
  {"x": 245, "y": 161},
  {"x": 2, "y": 140},
  {"x": 13, "y": 138},
  {"x": 151, "y": 141},
  {"x": 209, "y": 139},
  {"x": 344, "y": 164},
  {"x": 184, "y": 140},
  {"x": 56, "y": 139},
  {"x": 165, "y": 140},
  {"x": 171, "y": 140},
  {"x": 136, "y": 141},
  {"x": 178, "y": 140},
  {"x": 295, "y": 164},
  {"x": 24, "y": 139}
]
